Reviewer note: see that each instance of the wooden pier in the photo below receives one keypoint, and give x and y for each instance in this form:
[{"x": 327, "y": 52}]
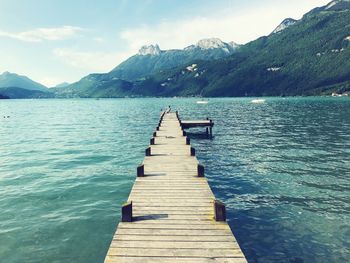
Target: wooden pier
[
  {"x": 171, "y": 214},
  {"x": 208, "y": 124}
]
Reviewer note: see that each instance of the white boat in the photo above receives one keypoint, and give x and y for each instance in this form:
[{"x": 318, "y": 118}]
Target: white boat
[
  {"x": 258, "y": 101},
  {"x": 202, "y": 102}
]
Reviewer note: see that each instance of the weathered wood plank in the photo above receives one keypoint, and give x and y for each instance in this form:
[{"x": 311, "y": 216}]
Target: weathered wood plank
[
  {"x": 119, "y": 259},
  {"x": 181, "y": 232},
  {"x": 170, "y": 245},
  {"x": 179, "y": 238},
  {"x": 175, "y": 226},
  {"x": 158, "y": 252}
]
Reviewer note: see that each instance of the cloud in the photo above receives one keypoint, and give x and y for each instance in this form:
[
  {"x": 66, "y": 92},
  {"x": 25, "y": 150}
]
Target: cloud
[
  {"x": 42, "y": 34},
  {"x": 229, "y": 25},
  {"x": 91, "y": 61}
]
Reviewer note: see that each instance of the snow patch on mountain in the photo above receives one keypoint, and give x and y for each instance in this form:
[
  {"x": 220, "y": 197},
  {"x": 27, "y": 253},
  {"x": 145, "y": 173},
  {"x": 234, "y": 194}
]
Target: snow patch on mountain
[
  {"x": 210, "y": 43},
  {"x": 152, "y": 50},
  {"x": 213, "y": 43},
  {"x": 330, "y": 5},
  {"x": 285, "y": 24},
  {"x": 274, "y": 69},
  {"x": 192, "y": 67},
  {"x": 337, "y": 5}
]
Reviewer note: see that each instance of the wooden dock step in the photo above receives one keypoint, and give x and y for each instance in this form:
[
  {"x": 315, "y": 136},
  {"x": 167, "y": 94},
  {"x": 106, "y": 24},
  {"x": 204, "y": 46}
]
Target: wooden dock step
[{"x": 171, "y": 214}]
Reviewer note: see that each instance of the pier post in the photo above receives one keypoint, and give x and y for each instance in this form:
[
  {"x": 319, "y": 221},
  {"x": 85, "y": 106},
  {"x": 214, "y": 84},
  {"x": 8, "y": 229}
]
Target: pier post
[
  {"x": 188, "y": 141},
  {"x": 184, "y": 133},
  {"x": 193, "y": 151},
  {"x": 200, "y": 170},
  {"x": 140, "y": 170},
  {"x": 154, "y": 134},
  {"x": 151, "y": 141},
  {"x": 148, "y": 151},
  {"x": 127, "y": 212},
  {"x": 211, "y": 129},
  {"x": 219, "y": 211}
]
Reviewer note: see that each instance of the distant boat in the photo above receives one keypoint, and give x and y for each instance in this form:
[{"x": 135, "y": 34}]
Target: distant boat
[
  {"x": 334, "y": 94},
  {"x": 258, "y": 101},
  {"x": 202, "y": 101}
]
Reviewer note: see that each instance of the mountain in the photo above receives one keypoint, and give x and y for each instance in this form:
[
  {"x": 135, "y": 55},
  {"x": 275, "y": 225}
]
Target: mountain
[
  {"x": 20, "y": 93},
  {"x": 310, "y": 56},
  {"x": 8, "y": 79},
  {"x": 62, "y": 85},
  {"x": 285, "y": 24},
  {"x": 95, "y": 86},
  {"x": 148, "y": 61},
  {"x": 151, "y": 59},
  {"x": 3, "y": 97},
  {"x": 336, "y": 5}
]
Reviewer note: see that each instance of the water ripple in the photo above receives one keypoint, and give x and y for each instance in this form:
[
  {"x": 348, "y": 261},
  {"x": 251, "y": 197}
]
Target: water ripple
[{"x": 282, "y": 168}]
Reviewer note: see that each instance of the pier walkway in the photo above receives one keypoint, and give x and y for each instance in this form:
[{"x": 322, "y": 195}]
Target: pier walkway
[{"x": 171, "y": 214}]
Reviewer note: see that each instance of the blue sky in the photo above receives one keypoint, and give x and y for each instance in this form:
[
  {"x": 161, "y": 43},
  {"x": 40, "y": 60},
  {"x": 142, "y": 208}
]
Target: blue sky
[{"x": 52, "y": 41}]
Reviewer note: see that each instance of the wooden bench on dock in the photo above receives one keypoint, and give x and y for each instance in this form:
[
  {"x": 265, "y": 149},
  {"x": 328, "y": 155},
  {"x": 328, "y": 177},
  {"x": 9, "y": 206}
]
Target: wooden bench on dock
[{"x": 171, "y": 214}]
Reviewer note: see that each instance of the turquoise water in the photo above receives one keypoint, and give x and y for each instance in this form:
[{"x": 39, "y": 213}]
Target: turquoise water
[{"x": 282, "y": 168}]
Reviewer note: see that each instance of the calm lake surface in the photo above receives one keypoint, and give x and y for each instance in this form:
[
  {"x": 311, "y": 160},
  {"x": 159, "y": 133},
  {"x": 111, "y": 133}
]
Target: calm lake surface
[{"x": 282, "y": 168}]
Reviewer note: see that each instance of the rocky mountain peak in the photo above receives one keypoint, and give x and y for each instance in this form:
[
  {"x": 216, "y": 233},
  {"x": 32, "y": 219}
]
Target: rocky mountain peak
[
  {"x": 338, "y": 5},
  {"x": 210, "y": 43},
  {"x": 233, "y": 44},
  {"x": 152, "y": 50},
  {"x": 285, "y": 24}
]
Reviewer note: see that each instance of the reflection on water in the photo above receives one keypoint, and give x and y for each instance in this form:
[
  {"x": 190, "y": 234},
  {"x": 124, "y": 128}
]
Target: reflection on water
[{"x": 282, "y": 168}]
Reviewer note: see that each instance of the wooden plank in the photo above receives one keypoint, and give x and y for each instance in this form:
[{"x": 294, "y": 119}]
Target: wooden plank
[
  {"x": 160, "y": 216},
  {"x": 178, "y": 238},
  {"x": 170, "y": 245},
  {"x": 120, "y": 259},
  {"x": 158, "y": 252},
  {"x": 181, "y": 232},
  {"x": 175, "y": 226},
  {"x": 173, "y": 222},
  {"x": 172, "y": 208},
  {"x": 173, "y": 212}
]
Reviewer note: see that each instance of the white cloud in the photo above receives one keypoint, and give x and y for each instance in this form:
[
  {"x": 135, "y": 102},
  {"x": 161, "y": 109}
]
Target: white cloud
[
  {"x": 92, "y": 61},
  {"x": 226, "y": 24},
  {"x": 41, "y": 34}
]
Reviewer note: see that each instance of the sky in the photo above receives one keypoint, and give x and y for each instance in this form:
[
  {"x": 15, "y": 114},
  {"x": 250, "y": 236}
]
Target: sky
[{"x": 55, "y": 41}]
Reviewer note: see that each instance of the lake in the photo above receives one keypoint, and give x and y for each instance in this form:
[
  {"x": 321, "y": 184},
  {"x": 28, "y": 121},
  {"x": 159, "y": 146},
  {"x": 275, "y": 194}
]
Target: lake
[{"x": 282, "y": 168}]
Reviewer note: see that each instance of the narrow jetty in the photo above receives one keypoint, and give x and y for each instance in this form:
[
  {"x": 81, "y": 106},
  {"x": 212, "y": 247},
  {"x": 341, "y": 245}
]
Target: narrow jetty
[
  {"x": 171, "y": 214},
  {"x": 208, "y": 124}
]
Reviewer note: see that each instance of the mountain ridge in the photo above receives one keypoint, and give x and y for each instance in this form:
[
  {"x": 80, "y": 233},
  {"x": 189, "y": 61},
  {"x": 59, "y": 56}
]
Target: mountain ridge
[
  {"x": 8, "y": 79},
  {"x": 309, "y": 56},
  {"x": 151, "y": 59}
]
